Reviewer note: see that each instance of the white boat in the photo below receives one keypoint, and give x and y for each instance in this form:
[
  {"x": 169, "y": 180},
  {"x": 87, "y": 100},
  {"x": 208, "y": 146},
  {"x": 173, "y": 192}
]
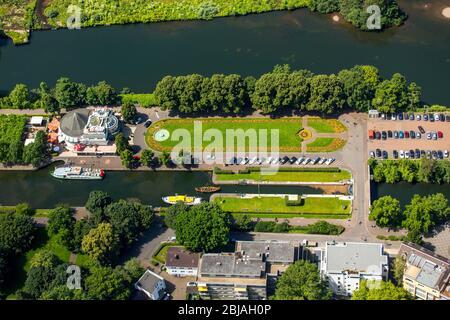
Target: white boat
[
  {"x": 78, "y": 173},
  {"x": 190, "y": 201}
]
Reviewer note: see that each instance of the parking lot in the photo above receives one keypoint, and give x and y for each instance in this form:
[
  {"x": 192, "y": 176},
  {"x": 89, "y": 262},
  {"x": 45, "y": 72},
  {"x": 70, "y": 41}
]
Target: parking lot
[{"x": 408, "y": 143}]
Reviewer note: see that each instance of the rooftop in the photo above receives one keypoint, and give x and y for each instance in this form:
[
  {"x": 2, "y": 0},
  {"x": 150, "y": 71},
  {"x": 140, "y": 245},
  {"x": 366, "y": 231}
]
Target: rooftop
[
  {"x": 230, "y": 264},
  {"x": 273, "y": 251},
  {"x": 179, "y": 257},
  {"x": 356, "y": 257},
  {"x": 148, "y": 281}
]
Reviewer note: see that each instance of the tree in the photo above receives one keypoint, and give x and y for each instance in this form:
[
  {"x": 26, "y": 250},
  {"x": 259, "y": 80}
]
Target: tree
[
  {"x": 125, "y": 220},
  {"x": 324, "y": 6},
  {"x": 170, "y": 218},
  {"x": 147, "y": 157},
  {"x": 327, "y": 94},
  {"x": 203, "y": 227},
  {"x": 121, "y": 143},
  {"x": 68, "y": 93},
  {"x": 100, "y": 243},
  {"x": 36, "y": 152},
  {"x": 80, "y": 229},
  {"x": 16, "y": 232},
  {"x": 386, "y": 212},
  {"x": 242, "y": 222},
  {"x": 301, "y": 281},
  {"x": 105, "y": 93},
  {"x": 165, "y": 158},
  {"x": 126, "y": 156},
  {"x": 399, "y": 269},
  {"x": 23, "y": 208},
  {"x": 380, "y": 290},
  {"x": 44, "y": 258},
  {"x": 105, "y": 283},
  {"x": 19, "y": 97},
  {"x": 129, "y": 111},
  {"x": 96, "y": 204},
  {"x": 391, "y": 95},
  {"x": 414, "y": 96},
  {"x": 4, "y": 268},
  {"x": 46, "y": 100},
  {"x": 61, "y": 222}
]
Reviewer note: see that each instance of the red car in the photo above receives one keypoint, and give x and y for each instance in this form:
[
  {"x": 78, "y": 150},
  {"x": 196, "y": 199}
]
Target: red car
[
  {"x": 440, "y": 134},
  {"x": 406, "y": 134}
]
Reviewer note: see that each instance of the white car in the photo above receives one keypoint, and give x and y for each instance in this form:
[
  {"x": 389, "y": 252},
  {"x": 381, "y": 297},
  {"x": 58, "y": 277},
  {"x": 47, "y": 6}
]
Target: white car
[
  {"x": 307, "y": 160},
  {"x": 402, "y": 154},
  {"x": 446, "y": 153},
  {"x": 436, "y": 117},
  {"x": 322, "y": 161},
  {"x": 393, "y": 117},
  {"x": 418, "y": 135},
  {"x": 253, "y": 160},
  {"x": 406, "y": 154},
  {"x": 275, "y": 161},
  {"x": 329, "y": 161},
  {"x": 429, "y": 135},
  {"x": 299, "y": 161},
  {"x": 269, "y": 160}
]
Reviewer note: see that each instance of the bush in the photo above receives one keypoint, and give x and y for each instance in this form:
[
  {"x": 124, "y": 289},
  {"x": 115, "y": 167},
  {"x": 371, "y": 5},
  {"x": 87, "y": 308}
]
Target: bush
[
  {"x": 324, "y": 227},
  {"x": 293, "y": 203},
  {"x": 264, "y": 226}
]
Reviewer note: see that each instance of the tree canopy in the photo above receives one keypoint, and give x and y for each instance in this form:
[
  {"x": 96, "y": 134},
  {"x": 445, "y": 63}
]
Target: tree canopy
[
  {"x": 386, "y": 212},
  {"x": 381, "y": 290}
]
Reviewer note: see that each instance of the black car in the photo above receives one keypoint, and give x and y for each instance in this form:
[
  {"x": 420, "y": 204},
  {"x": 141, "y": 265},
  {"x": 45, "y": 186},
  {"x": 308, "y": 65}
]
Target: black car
[
  {"x": 378, "y": 153},
  {"x": 434, "y": 154},
  {"x": 389, "y": 133},
  {"x": 284, "y": 160},
  {"x": 447, "y": 118},
  {"x": 412, "y": 134},
  {"x": 385, "y": 154},
  {"x": 292, "y": 160},
  {"x": 148, "y": 123},
  {"x": 442, "y": 117},
  {"x": 400, "y": 116},
  {"x": 383, "y": 135},
  {"x": 411, "y": 116},
  {"x": 440, "y": 154},
  {"x": 411, "y": 154},
  {"x": 425, "y": 117},
  {"x": 395, "y": 154},
  {"x": 315, "y": 160},
  {"x": 431, "y": 117},
  {"x": 396, "y": 134},
  {"x": 417, "y": 153},
  {"x": 377, "y": 135}
]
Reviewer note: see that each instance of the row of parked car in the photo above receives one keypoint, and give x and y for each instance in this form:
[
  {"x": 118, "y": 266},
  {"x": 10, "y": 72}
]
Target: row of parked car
[
  {"x": 383, "y": 135},
  {"x": 284, "y": 160},
  {"x": 411, "y": 154},
  {"x": 411, "y": 116}
]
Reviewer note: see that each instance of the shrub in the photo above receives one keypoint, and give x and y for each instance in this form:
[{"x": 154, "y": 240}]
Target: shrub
[{"x": 264, "y": 226}]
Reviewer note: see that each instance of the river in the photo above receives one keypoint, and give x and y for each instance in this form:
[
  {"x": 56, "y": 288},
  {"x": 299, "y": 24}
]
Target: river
[
  {"x": 137, "y": 56},
  {"x": 41, "y": 190}
]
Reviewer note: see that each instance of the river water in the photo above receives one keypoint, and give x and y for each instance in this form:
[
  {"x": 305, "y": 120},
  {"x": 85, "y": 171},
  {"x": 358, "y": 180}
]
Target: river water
[{"x": 137, "y": 56}]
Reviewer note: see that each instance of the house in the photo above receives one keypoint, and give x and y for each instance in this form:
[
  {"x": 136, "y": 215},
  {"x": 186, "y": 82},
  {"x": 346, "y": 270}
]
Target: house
[
  {"x": 426, "y": 274},
  {"x": 344, "y": 265},
  {"x": 181, "y": 263},
  {"x": 152, "y": 285},
  {"x": 243, "y": 274}
]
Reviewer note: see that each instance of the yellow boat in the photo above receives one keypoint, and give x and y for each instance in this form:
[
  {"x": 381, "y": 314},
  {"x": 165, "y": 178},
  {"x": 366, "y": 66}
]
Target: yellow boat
[{"x": 190, "y": 201}]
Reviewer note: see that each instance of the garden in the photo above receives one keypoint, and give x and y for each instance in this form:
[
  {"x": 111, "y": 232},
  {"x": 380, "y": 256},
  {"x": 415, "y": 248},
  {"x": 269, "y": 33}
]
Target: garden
[
  {"x": 326, "y": 125},
  {"x": 325, "y": 145},
  {"x": 288, "y": 128}
]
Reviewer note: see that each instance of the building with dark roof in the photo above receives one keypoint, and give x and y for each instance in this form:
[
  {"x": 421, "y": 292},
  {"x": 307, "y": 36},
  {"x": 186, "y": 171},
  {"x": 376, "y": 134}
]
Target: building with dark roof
[
  {"x": 152, "y": 285},
  {"x": 180, "y": 262}
]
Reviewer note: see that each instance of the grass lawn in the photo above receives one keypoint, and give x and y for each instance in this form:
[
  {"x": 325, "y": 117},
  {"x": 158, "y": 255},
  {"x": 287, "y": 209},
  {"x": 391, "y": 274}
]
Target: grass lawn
[
  {"x": 325, "y": 145},
  {"x": 275, "y": 205},
  {"x": 161, "y": 252},
  {"x": 142, "y": 99},
  {"x": 284, "y": 176},
  {"x": 326, "y": 125},
  {"x": 288, "y": 128}
]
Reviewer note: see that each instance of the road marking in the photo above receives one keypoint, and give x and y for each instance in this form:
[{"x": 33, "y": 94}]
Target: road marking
[{"x": 157, "y": 115}]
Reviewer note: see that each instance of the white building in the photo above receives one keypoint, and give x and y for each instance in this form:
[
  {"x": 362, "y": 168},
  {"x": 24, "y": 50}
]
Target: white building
[
  {"x": 181, "y": 263},
  {"x": 344, "y": 265},
  {"x": 152, "y": 285}
]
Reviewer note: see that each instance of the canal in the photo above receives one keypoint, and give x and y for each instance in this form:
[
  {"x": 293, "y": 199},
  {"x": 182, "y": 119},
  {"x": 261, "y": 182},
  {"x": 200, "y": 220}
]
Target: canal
[
  {"x": 41, "y": 190},
  {"x": 404, "y": 191},
  {"x": 137, "y": 56}
]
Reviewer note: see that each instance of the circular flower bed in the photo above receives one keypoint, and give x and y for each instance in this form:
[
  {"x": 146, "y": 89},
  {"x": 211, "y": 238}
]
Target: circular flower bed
[{"x": 305, "y": 134}]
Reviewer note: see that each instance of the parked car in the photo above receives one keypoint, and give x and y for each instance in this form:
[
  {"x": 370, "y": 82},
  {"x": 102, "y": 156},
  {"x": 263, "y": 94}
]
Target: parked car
[
  {"x": 395, "y": 154},
  {"x": 431, "y": 116},
  {"x": 440, "y": 154},
  {"x": 446, "y": 153},
  {"x": 429, "y": 135},
  {"x": 393, "y": 117},
  {"x": 440, "y": 134},
  {"x": 395, "y": 134},
  {"x": 372, "y": 154},
  {"x": 299, "y": 160},
  {"x": 411, "y": 116},
  {"x": 412, "y": 134},
  {"x": 434, "y": 135},
  {"x": 148, "y": 123},
  {"x": 383, "y": 135},
  {"x": 429, "y": 156},
  {"x": 421, "y": 129},
  {"x": 401, "y": 135},
  {"x": 385, "y": 154},
  {"x": 425, "y": 117},
  {"x": 418, "y": 117},
  {"x": 434, "y": 154},
  {"x": 316, "y": 160},
  {"x": 400, "y": 116},
  {"x": 418, "y": 135},
  {"x": 322, "y": 161},
  {"x": 329, "y": 161},
  {"x": 307, "y": 160},
  {"x": 378, "y": 153},
  {"x": 423, "y": 153},
  {"x": 417, "y": 153},
  {"x": 447, "y": 118},
  {"x": 401, "y": 154},
  {"x": 292, "y": 160},
  {"x": 436, "y": 117},
  {"x": 442, "y": 117},
  {"x": 406, "y": 134},
  {"x": 389, "y": 134},
  {"x": 411, "y": 154},
  {"x": 406, "y": 154},
  {"x": 377, "y": 135}
]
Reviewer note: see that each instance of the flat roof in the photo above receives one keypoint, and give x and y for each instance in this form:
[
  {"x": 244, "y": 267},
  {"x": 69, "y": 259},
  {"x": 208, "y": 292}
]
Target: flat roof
[
  {"x": 230, "y": 264},
  {"x": 273, "y": 251},
  {"x": 179, "y": 257},
  {"x": 353, "y": 256}
]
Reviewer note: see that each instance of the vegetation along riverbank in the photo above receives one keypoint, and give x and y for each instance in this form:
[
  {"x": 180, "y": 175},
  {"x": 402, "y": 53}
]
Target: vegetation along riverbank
[{"x": 19, "y": 17}]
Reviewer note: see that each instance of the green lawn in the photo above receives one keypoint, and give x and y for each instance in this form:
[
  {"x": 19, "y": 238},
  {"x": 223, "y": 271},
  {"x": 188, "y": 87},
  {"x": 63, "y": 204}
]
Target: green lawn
[
  {"x": 326, "y": 125},
  {"x": 142, "y": 99},
  {"x": 325, "y": 145},
  {"x": 275, "y": 205},
  {"x": 288, "y": 128},
  {"x": 285, "y": 176},
  {"x": 161, "y": 252}
]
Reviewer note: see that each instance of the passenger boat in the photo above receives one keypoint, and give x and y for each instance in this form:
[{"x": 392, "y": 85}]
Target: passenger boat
[
  {"x": 78, "y": 173},
  {"x": 208, "y": 189},
  {"x": 190, "y": 201}
]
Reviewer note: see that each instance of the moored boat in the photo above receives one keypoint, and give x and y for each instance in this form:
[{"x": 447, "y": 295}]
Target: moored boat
[
  {"x": 78, "y": 173},
  {"x": 208, "y": 189},
  {"x": 190, "y": 201}
]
